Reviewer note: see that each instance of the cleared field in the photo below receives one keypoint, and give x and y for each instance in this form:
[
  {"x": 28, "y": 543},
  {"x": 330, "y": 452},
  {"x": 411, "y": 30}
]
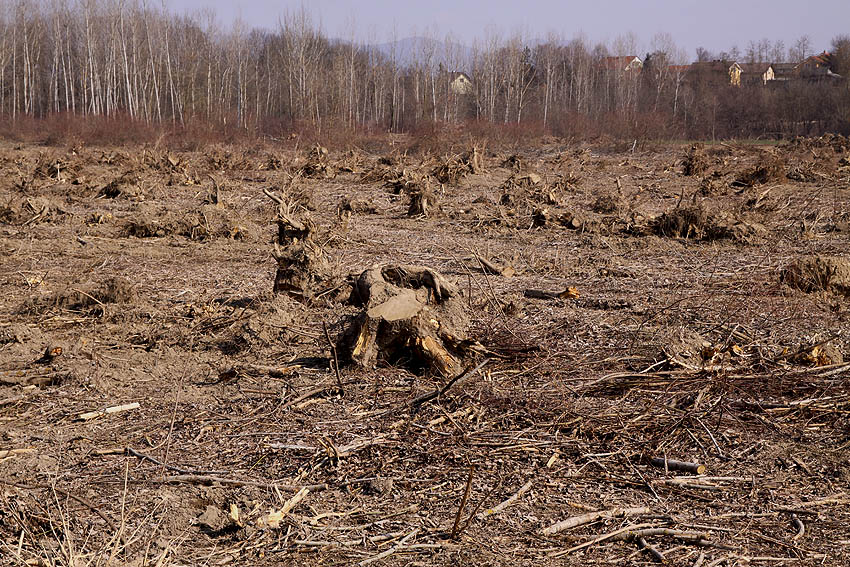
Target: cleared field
[{"x": 623, "y": 311}]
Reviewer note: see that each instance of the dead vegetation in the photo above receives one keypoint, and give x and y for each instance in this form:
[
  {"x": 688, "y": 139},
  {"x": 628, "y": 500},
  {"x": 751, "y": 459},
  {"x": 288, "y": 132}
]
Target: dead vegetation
[
  {"x": 452, "y": 169},
  {"x": 575, "y": 355},
  {"x": 695, "y": 161},
  {"x": 695, "y": 222},
  {"x": 818, "y": 273},
  {"x": 768, "y": 169}
]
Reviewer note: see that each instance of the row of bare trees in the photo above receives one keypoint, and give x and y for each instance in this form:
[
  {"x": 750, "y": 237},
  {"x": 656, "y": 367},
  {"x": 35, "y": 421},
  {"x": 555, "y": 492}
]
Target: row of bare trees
[{"x": 130, "y": 59}]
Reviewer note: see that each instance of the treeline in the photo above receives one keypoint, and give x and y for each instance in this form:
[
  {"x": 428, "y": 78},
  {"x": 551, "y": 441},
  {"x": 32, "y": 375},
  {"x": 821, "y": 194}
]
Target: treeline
[{"x": 129, "y": 60}]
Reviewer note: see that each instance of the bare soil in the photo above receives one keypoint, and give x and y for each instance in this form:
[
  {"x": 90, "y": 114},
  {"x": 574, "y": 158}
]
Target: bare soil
[{"x": 623, "y": 311}]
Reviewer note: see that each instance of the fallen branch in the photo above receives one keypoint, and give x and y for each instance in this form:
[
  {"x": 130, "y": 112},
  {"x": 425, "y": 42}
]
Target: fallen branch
[
  {"x": 460, "y": 378},
  {"x": 490, "y": 268},
  {"x": 79, "y": 499},
  {"x": 653, "y": 552},
  {"x": 390, "y": 551},
  {"x": 9, "y": 453},
  {"x": 604, "y": 537},
  {"x": 463, "y": 500},
  {"x": 591, "y": 517},
  {"x": 133, "y": 453},
  {"x": 210, "y": 479},
  {"x": 293, "y": 502},
  {"x": 499, "y": 508},
  {"x": 335, "y": 359},
  {"x": 569, "y": 293}
]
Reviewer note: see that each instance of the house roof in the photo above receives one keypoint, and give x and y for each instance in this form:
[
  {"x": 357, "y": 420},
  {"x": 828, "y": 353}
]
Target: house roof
[
  {"x": 820, "y": 60},
  {"x": 454, "y": 75},
  {"x": 785, "y": 70},
  {"x": 716, "y": 66},
  {"x": 784, "y": 67},
  {"x": 620, "y": 62},
  {"x": 756, "y": 68}
]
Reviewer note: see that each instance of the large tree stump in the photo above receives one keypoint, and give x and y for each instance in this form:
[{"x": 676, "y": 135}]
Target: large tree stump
[{"x": 412, "y": 315}]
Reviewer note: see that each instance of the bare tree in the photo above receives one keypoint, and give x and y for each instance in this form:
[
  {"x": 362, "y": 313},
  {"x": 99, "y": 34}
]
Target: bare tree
[{"x": 801, "y": 49}]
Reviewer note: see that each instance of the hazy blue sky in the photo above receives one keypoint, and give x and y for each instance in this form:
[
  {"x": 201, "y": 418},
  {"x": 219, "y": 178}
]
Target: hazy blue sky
[{"x": 714, "y": 24}]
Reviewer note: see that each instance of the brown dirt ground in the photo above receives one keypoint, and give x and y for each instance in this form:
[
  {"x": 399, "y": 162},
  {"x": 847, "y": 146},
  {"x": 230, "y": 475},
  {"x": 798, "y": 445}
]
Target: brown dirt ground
[{"x": 684, "y": 343}]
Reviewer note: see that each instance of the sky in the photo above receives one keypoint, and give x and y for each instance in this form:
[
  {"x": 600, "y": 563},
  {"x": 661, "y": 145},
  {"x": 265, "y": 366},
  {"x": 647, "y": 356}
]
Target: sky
[{"x": 716, "y": 25}]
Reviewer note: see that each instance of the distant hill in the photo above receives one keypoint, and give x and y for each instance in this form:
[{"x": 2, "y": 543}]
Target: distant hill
[{"x": 454, "y": 57}]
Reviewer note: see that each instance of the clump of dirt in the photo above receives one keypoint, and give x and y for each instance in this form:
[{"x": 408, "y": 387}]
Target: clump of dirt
[
  {"x": 835, "y": 142},
  {"x": 32, "y": 210},
  {"x": 712, "y": 185},
  {"x": 303, "y": 271},
  {"x": 318, "y": 170},
  {"x": 820, "y": 354},
  {"x": 272, "y": 162},
  {"x": 89, "y": 298},
  {"x": 205, "y": 223},
  {"x": 523, "y": 181},
  {"x": 411, "y": 315},
  {"x": 803, "y": 172},
  {"x": 767, "y": 170},
  {"x": 397, "y": 179},
  {"x": 695, "y": 161},
  {"x": 818, "y": 273},
  {"x": 514, "y": 163},
  {"x": 682, "y": 348},
  {"x": 126, "y": 186},
  {"x": 356, "y": 206},
  {"x": 608, "y": 204},
  {"x": 527, "y": 185},
  {"x": 214, "y": 221},
  {"x": 682, "y": 222},
  {"x": 542, "y": 217},
  {"x": 352, "y": 161},
  {"x": 47, "y": 167}
]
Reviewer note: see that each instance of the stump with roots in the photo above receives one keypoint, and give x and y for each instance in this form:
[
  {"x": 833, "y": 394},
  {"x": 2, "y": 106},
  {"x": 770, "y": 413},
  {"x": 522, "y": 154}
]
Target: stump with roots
[
  {"x": 303, "y": 271},
  {"x": 818, "y": 273},
  {"x": 412, "y": 315}
]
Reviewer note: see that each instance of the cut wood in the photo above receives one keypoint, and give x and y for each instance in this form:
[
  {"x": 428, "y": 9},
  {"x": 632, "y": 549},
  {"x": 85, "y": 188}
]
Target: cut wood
[
  {"x": 499, "y": 508},
  {"x": 110, "y": 410},
  {"x": 682, "y": 466}
]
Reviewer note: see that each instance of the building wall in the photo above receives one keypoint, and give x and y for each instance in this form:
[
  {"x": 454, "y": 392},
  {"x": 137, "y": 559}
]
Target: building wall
[{"x": 461, "y": 85}]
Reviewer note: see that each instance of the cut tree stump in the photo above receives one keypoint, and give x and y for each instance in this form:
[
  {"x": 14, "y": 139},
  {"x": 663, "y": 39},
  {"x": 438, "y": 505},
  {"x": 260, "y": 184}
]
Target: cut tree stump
[{"x": 412, "y": 315}]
